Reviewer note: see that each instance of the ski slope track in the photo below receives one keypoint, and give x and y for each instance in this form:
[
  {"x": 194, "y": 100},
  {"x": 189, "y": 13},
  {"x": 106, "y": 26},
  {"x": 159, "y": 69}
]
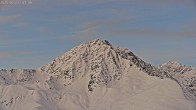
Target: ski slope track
[{"x": 99, "y": 76}]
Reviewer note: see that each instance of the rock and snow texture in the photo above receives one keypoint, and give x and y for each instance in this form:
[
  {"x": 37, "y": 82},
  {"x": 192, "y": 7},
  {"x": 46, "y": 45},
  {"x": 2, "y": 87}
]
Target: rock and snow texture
[
  {"x": 99, "y": 76},
  {"x": 183, "y": 75}
]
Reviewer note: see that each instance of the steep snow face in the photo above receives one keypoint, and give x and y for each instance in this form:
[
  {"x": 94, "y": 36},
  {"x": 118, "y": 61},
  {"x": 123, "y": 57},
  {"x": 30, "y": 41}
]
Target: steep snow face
[{"x": 94, "y": 76}]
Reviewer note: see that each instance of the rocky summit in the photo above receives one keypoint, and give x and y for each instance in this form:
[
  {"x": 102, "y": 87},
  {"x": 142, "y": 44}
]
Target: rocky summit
[{"x": 99, "y": 76}]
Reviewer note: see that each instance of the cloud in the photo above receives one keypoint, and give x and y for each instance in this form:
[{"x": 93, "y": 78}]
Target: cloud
[
  {"x": 113, "y": 28},
  {"x": 12, "y": 54},
  {"x": 90, "y": 30},
  {"x": 191, "y": 25},
  {"x": 144, "y": 32},
  {"x": 86, "y": 2},
  {"x": 43, "y": 30},
  {"x": 6, "y": 54},
  {"x": 102, "y": 23},
  {"x": 17, "y": 5},
  {"x": 147, "y": 2},
  {"x": 166, "y": 2},
  {"x": 21, "y": 25},
  {"x": 3, "y": 31},
  {"x": 83, "y": 36},
  {"x": 51, "y": 5},
  {"x": 161, "y": 56},
  {"x": 62, "y": 19},
  {"x": 8, "y": 19}
]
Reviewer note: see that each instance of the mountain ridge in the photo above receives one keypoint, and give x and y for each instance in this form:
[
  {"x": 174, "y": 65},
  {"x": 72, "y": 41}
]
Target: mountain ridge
[
  {"x": 92, "y": 70},
  {"x": 89, "y": 49},
  {"x": 165, "y": 70}
]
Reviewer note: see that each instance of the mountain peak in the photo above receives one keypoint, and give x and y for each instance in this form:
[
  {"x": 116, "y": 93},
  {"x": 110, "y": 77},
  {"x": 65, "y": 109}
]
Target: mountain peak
[
  {"x": 172, "y": 66},
  {"x": 171, "y": 63},
  {"x": 100, "y": 42},
  {"x": 99, "y": 60},
  {"x": 96, "y": 75}
]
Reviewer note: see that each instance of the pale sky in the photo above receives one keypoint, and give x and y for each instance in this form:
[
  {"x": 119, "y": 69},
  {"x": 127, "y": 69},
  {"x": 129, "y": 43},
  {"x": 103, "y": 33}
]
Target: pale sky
[{"x": 34, "y": 32}]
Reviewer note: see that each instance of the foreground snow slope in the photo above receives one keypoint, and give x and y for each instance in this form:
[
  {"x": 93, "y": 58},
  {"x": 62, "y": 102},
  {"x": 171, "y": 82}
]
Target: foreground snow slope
[
  {"x": 93, "y": 76},
  {"x": 135, "y": 91}
]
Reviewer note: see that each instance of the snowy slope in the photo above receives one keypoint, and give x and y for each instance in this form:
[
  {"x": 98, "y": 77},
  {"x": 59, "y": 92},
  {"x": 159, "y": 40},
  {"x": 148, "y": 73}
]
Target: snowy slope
[
  {"x": 97, "y": 76},
  {"x": 183, "y": 75}
]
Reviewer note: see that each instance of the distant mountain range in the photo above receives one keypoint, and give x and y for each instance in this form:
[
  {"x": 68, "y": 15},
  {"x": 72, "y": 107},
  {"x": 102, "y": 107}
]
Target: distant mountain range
[{"x": 99, "y": 76}]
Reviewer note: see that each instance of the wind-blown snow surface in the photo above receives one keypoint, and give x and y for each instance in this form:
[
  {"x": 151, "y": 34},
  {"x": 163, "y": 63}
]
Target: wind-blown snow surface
[{"x": 93, "y": 76}]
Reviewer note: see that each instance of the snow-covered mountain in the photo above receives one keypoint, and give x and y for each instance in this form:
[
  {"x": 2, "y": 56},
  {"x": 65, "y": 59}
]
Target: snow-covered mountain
[
  {"x": 99, "y": 76},
  {"x": 183, "y": 75}
]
